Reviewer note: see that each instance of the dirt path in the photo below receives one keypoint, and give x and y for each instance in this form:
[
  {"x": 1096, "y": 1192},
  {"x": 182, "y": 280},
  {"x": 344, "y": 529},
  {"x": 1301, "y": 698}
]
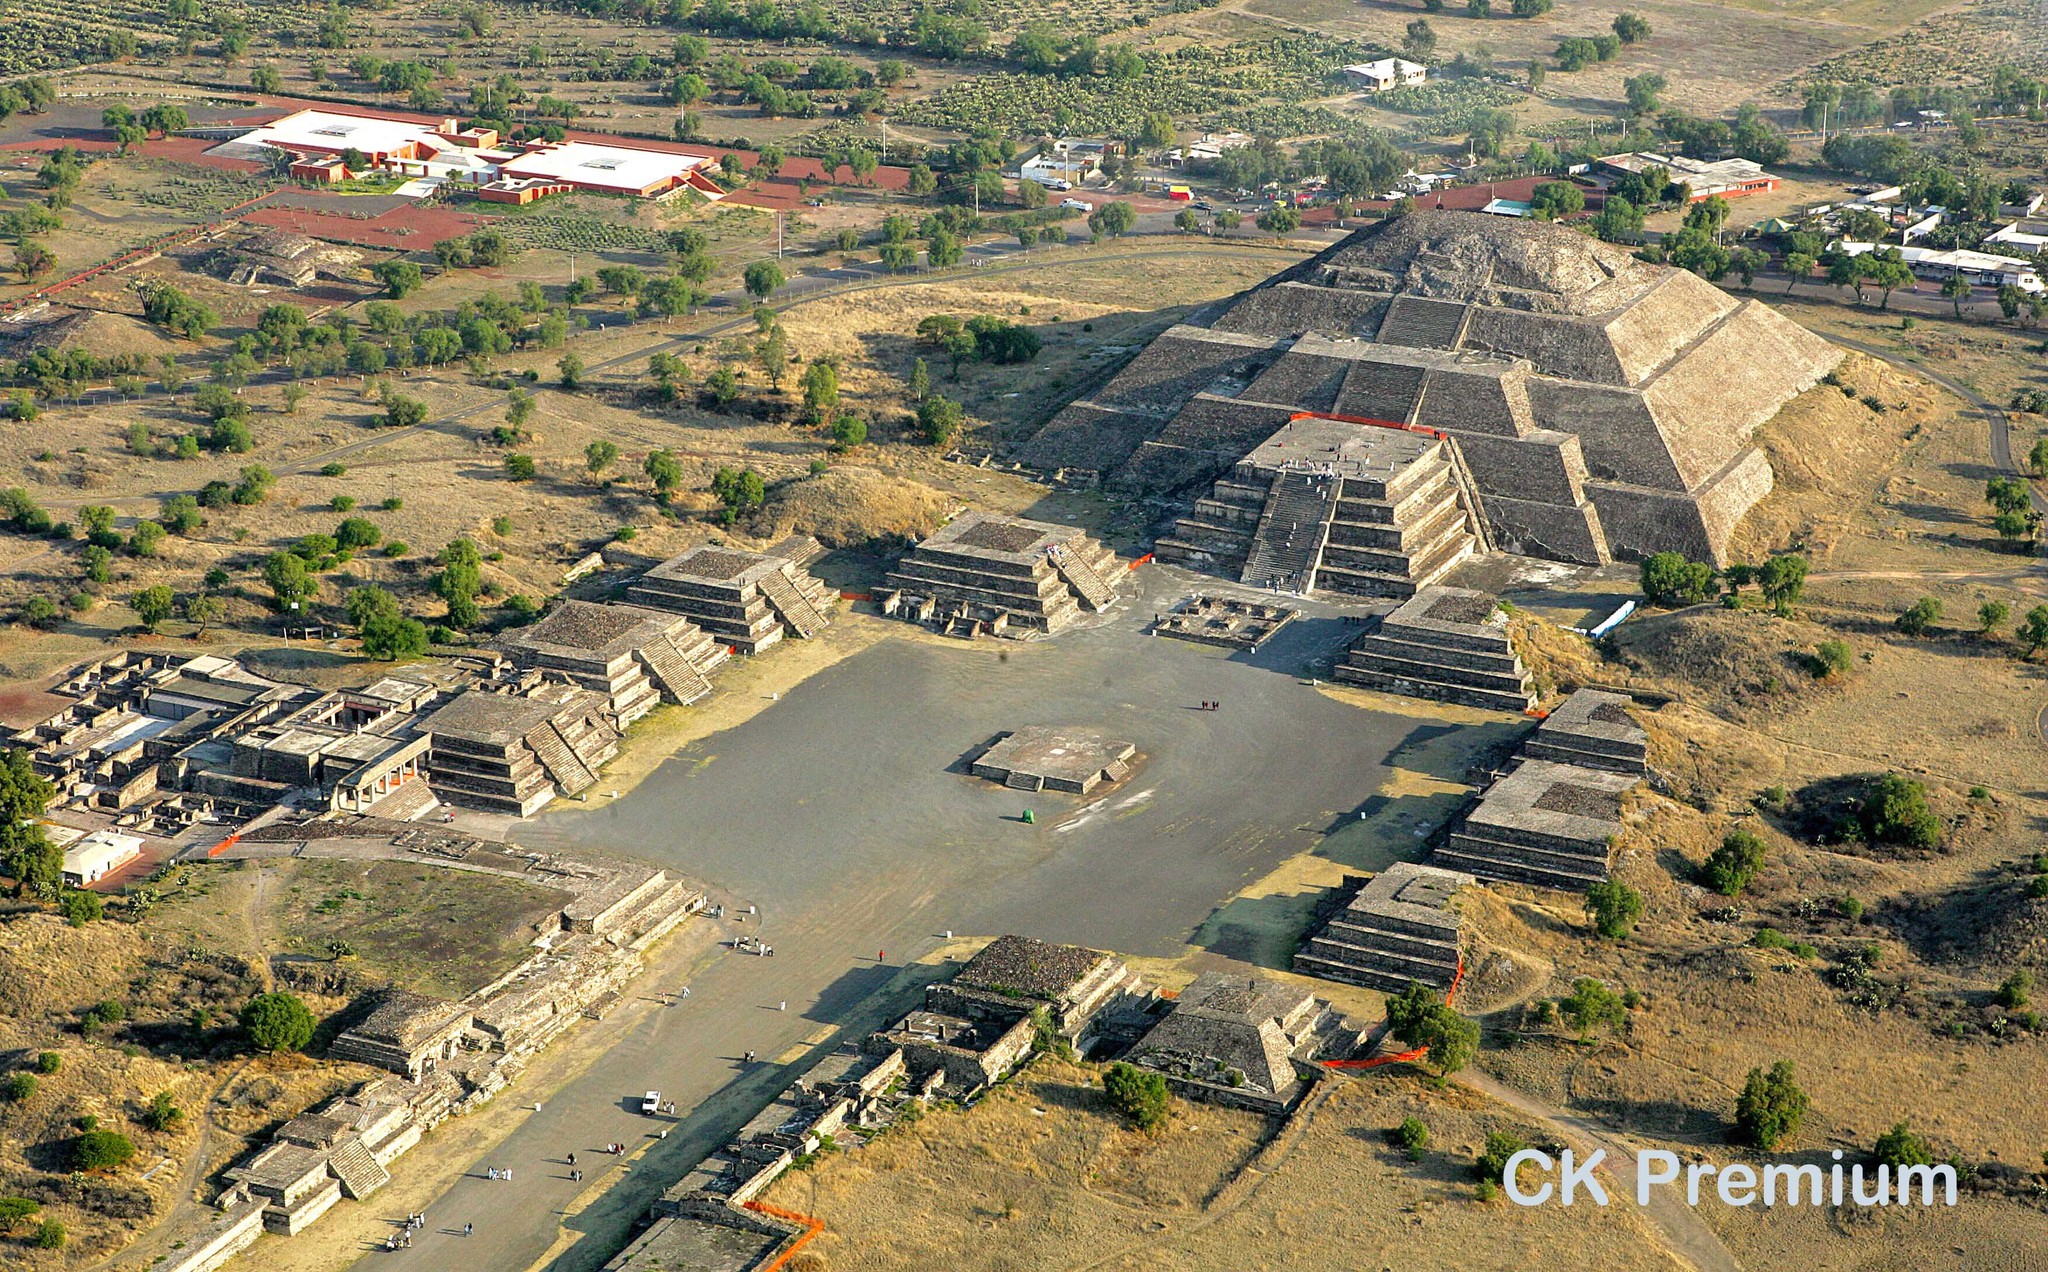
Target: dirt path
[{"x": 1688, "y": 1236}]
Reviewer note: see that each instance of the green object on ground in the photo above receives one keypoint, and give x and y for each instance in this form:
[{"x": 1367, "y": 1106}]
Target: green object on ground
[{"x": 1029, "y": 819}]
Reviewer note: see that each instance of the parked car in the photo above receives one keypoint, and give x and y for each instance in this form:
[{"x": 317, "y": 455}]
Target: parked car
[
  {"x": 1203, "y": 205},
  {"x": 1077, "y": 205},
  {"x": 1054, "y": 183},
  {"x": 651, "y": 1102}
]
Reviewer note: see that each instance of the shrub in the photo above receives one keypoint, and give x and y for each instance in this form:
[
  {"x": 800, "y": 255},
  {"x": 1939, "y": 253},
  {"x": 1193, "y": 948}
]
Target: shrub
[
  {"x": 162, "y": 1113},
  {"x": 49, "y": 1062},
  {"x": 1832, "y": 658},
  {"x": 1919, "y": 618},
  {"x": 1899, "y": 1146},
  {"x": 1769, "y": 938},
  {"x": 277, "y": 1022},
  {"x": 1138, "y": 1094},
  {"x": 1411, "y": 1137},
  {"x": 1731, "y": 867},
  {"x": 1591, "y": 1005},
  {"x": 49, "y": 1235},
  {"x": 17, "y": 1087},
  {"x": 1492, "y": 1163},
  {"x": 2013, "y": 991},
  {"x": 1895, "y": 811},
  {"x": 1770, "y": 1108},
  {"x": 100, "y": 1150},
  {"x": 80, "y": 907},
  {"x": 1613, "y": 907}
]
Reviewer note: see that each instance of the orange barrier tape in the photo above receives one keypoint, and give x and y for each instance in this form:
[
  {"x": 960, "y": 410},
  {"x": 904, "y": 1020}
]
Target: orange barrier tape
[
  {"x": 1140, "y": 561},
  {"x": 812, "y": 1227},
  {"x": 224, "y": 845},
  {"x": 856, "y": 596},
  {"x": 1404, "y": 1057}
]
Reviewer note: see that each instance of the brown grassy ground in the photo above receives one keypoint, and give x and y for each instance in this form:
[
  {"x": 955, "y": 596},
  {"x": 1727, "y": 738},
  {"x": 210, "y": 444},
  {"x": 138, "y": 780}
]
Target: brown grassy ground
[
  {"x": 1041, "y": 1175},
  {"x": 438, "y": 931}
]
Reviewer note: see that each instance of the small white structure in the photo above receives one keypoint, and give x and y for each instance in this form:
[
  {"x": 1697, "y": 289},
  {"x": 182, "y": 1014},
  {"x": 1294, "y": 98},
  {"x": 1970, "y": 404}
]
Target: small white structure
[
  {"x": 1388, "y": 72},
  {"x": 2022, "y": 235},
  {"x": 98, "y": 855}
]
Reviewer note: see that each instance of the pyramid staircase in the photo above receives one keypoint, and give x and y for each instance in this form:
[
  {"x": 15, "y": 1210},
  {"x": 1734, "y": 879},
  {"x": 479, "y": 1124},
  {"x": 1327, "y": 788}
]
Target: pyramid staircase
[
  {"x": 672, "y": 672},
  {"x": 571, "y": 774},
  {"x": 791, "y": 606},
  {"x": 1289, "y": 541},
  {"x": 1094, "y": 591},
  {"x": 360, "y": 1173}
]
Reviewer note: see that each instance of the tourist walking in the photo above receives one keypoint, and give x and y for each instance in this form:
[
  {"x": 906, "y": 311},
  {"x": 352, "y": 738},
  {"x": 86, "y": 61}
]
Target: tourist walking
[{"x": 468, "y": 1228}]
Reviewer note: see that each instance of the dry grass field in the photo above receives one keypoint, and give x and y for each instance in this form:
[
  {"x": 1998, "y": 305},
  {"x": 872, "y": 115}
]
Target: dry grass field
[{"x": 1042, "y": 1175}]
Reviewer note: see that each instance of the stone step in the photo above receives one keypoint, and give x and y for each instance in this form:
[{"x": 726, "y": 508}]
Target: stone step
[
  {"x": 1082, "y": 577},
  {"x": 1540, "y": 748},
  {"x": 1019, "y": 780},
  {"x": 568, "y": 770},
  {"x": 791, "y": 606},
  {"x": 1518, "y": 863},
  {"x": 1435, "y": 662},
  {"x": 1392, "y": 982},
  {"x": 673, "y": 674},
  {"x": 359, "y": 1172},
  {"x": 1442, "y": 691}
]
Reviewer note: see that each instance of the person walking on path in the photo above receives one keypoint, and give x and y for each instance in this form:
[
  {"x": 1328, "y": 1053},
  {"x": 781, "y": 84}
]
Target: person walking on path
[{"x": 468, "y": 1229}]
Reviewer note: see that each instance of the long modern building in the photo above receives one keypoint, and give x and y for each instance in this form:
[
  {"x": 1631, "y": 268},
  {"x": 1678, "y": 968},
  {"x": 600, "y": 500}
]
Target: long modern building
[{"x": 324, "y": 144}]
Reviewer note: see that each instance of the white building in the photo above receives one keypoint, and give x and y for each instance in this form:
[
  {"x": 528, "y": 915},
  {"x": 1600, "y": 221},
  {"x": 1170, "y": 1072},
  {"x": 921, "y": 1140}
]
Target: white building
[
  {"x": 2022, "y": 236},
  {"x": 1388, "y": 72},
  {"x": 98, "y": 855},
  {"x": 1981, "y": 268}
]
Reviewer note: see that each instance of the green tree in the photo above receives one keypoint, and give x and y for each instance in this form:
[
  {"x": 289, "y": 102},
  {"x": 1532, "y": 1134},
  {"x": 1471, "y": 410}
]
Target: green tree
[
  {"x": 1631, "y": 28},
  {"x": 1667, "y": 578},
  {"x": 1832, "y": 658},
  {"x": 1138, "y": 1094},
  {"x": 571, "y": 368},
  {"x": 2033, "y": 631},
  {"x": 1782, "y": 579},
  {"x": 520, "y": 467},
  {"x": 162, "y": 1113},
  {"x": 2013, "y": 992},
  {"x": 288, "y": 578},
  {"x": 665, "y": 471},
  {"x": 1731, "y": 866},
  {"x": 1956, "y": 289},
  {"x": 1798, "y": 265},
  {"x": 1770, "y": 1108},
  {"x": 939, "y": 419},
  {"x": 15, "y": 1211},
  {"x": 599, "y": 455},
  {"x": 1991, "y": 616},
  {"x": 1613, "y": 907},
  {"x": 1555, "y": 200},
  {"x": 762, "y": 279},
  {"x": 18, "y": 1088},
  {"x": 1113, "y": 219},
  {"x": 152, "y": 605},
  {"x": 277, "y": 1022},
  {"x": 393, "y": 636},
  {"x": 821, "y": 390},
  {"x": 401, "y": 278},
  {"x": 921, "y": 382}
]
